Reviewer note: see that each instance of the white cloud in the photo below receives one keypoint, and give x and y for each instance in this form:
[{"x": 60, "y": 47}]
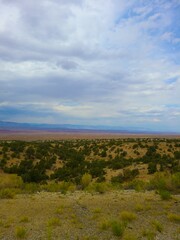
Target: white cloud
[{"x": 107, "y": 57}]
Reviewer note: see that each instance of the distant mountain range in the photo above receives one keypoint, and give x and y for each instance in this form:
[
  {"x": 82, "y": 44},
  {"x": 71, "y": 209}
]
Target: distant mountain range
[
  {"x": 39, "y": 126},
  {"x": 14, "y": 126}
]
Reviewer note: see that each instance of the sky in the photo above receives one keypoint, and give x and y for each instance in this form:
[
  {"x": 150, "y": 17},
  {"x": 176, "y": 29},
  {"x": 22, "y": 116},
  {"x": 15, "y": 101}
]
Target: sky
[{"x": 91, "y": 62}]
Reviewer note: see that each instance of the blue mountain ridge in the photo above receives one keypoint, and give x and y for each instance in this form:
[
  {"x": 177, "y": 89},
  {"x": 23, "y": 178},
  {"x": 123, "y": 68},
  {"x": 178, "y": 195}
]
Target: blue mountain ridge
[{"x": 71, "y": 127}]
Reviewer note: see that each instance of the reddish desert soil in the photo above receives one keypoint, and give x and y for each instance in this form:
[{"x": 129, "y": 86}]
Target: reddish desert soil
[{"x": 33, "y": 135}]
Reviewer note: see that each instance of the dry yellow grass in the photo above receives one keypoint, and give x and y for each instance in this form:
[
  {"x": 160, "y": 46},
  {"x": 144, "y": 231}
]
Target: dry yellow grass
[{"x": 71, "y": 216}]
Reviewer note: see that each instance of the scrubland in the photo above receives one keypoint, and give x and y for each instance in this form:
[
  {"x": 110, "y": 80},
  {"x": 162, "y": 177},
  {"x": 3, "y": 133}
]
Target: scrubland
[{"x": 90, "y": 189}]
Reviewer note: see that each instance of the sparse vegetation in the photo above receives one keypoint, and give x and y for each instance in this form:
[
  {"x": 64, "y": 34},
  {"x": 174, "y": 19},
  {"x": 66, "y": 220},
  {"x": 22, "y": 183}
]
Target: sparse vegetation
[{"x": 84, "y": 184}]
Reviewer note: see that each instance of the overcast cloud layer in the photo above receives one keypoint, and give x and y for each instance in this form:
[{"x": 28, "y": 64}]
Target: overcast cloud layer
[{"x": 113, "y": 62}]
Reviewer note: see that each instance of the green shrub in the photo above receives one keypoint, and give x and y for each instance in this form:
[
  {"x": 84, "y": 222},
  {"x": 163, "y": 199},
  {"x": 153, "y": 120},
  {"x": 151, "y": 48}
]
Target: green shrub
[
  {"x": 127, "y": 175},
  {"x": 86, "y": 180},
  {"x": 158, "y": 181},
  {"x": 98, "y": 187},
  {"x": 137, "y": 185},
  {"x": 72, "y": 188},
  {"x": 165, "y": 195},
  {"x": 152, "y": 168},
  {"x": 51, "y": 187},
  {"x": 31, "y": 187},
  {"x": 165, "y": 181},
  {"x": 64, "y": 186},
  {"x": 176, "y": 180},
  {"x": 117, "y": 228}
]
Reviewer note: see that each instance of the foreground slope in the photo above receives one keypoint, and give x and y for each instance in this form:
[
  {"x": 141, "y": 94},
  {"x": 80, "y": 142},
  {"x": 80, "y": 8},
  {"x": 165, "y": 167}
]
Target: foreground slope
[{"x": 82, "y": 215}]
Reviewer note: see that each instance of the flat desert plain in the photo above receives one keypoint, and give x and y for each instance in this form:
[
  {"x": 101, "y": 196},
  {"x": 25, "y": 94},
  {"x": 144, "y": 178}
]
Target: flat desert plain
[{"x": 34, "y": 135}]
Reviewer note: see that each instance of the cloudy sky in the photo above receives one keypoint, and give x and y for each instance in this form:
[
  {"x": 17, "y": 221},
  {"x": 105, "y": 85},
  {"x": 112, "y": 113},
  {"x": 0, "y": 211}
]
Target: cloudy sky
[{"x": 95, "y": 62}]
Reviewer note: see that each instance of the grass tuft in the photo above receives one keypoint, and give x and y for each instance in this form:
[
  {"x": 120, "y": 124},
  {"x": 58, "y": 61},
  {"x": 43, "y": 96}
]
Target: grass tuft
[
  {"x": 130, "y": 236},
  {"x": 157, "y": 225},
  {"x": 128, "y": 216},
  {"x": 104, "y": 224},
  {"x": 49, "y": 233},
  {"x": 24, "y": 219},
  {"x": 149, "y": 234},
  {"x": 139, "y": 207},
  {"x": 97, "y": 210},
  {"x": 7, "y": 193},
  {"x": 54, "y": 222},
  {"x": 20, "y": 232},
  {"x": 174, "y": 217}
]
